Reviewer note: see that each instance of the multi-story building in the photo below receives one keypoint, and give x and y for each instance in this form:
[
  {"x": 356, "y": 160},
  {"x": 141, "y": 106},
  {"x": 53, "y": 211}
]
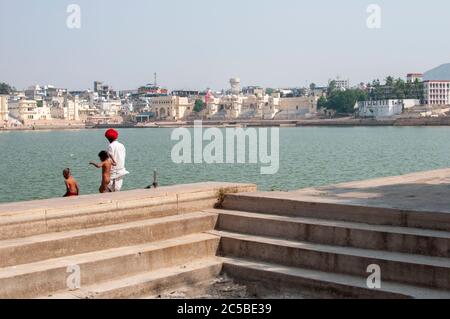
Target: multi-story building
[
  {"x": 186, "y": 93},
  {"x": 110, "y": 107},
  {"x": 437, "y": 92},
  {"x": 413, "y": 77},
  {"x": 152, "y": 90},
  {"x": 297, "y": 106},
  {"x": 4, "y": 112},
  {"x": 253, "y": 90},
  {"x": 384, "y": 108},
  {"x": 170, "y": 107},
  {"x": 105, "y": 92},
  {"x": 28, "y": 111},
  {"x": 341, "y": 84}
]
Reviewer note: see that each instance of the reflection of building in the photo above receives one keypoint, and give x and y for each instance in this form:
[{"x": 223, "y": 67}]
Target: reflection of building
[
  {"x": 3, "y": 109},
  {"x": 437, "y": 92}
]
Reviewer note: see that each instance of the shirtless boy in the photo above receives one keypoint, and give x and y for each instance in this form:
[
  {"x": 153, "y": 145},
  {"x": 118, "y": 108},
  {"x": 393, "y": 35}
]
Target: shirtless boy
[
  {"x": 105, "y": 165},
  {"x": 71, "y": 184}
]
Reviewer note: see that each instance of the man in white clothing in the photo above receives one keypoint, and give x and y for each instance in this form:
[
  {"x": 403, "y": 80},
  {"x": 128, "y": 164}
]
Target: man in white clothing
[{"x": 118, "y": 154}]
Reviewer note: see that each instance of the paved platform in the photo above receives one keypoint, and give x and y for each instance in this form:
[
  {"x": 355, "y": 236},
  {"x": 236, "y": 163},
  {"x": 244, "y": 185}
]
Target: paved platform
[
  {"x": 121, "y": 199},
  {"x": 425, "y": 192}
]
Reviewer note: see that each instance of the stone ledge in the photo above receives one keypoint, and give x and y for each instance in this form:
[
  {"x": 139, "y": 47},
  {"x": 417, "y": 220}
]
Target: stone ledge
[{"x": 103, "y": 203}]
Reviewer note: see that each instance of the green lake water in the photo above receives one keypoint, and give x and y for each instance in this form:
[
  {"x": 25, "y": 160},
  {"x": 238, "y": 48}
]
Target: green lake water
[{"x": 31, "y": 163}]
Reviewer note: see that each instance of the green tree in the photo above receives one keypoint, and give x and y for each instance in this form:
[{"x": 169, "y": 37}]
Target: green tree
[
  {"x": 270, "y": 91},
  {"x": 331, "y": 87},
  {"x": 344, "y": 101},
  {"x": 322, "y": 103},
  {"x": 6, "y": 88},
  {"x": 199, "y": 106},
  {"x": 312, "y": 86}
]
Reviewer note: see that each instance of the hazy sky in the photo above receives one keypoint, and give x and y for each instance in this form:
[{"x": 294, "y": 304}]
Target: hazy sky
[{"x": 202, "y": 43}]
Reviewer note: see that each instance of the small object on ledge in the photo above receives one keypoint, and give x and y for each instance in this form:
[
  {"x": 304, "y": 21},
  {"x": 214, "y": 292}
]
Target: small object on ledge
[{"x": 155, "y": 182}]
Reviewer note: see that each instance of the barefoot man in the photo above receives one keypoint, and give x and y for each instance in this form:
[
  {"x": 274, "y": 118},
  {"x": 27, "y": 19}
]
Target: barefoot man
[{"x": 117, "y": 152}]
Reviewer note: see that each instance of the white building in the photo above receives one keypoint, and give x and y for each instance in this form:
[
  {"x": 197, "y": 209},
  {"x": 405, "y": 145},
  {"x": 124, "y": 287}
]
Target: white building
[
  {"x": 384, "y": 108},
  {"x": 255, "y": 104},
  {"x": 4, "y": 110},
  {"x": 170, "y": 107},
  {"x": 341, "y": 84},
  {"x": 413, "y": 77},
  {"x": 28, "y": 111},
  {"x": 437, "y": 92},
  {"x": 110, "y": 107}
]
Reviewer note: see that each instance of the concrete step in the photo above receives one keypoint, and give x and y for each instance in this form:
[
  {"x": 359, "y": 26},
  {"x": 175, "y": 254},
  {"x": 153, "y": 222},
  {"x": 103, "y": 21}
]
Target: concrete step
[
  {"x": 52, "y": 275},
  {"x": 433, "y": 272},
  {"x": 269, "y": 279},
  {"x": 152, "y": 283},
  {"x": 55, "y": 245},
  {"x": 339, "y": 233},
  {"x": 19, "y": 220},
  {"x": 294, "y": 205}
]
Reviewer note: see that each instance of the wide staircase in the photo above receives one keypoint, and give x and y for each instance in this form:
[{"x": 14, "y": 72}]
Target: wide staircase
[
  {"x": 125, "y": 245},
  {"x": 278, "y": 243},
  {"x": 142, "y": 244}
]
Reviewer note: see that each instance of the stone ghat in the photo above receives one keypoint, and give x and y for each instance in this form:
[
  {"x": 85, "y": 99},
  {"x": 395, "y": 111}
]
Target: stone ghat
[{"x": 314, "y": 243}]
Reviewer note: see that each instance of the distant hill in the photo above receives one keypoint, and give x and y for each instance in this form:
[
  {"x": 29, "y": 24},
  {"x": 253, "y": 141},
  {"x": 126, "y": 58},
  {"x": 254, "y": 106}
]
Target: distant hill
[{"x": 440, "y": 73}]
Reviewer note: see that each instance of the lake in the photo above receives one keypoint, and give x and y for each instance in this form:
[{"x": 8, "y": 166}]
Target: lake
[{"x": 32, "y": 162}]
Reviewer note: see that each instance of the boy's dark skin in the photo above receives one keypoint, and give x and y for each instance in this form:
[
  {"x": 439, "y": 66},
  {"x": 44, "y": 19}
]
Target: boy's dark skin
[
  {"x": 72, "y": 188},
  {"x": 105, "y": 165}
]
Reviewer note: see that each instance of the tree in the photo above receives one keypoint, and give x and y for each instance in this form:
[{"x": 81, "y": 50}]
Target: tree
[
  {"x": 199, "y": 106},
  {"x": 344, "y": 101},
  {"x": 270, "y": 91},
  {"x": 322, "y": 103},
  {"x": 5, "y": 89},
  {"x": 312, "y": 86},
  {"x": 331, "y": 87}
]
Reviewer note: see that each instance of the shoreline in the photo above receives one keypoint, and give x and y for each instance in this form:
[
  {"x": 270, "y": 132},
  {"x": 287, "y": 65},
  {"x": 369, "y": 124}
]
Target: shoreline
[{"x": 343, "y": 122}]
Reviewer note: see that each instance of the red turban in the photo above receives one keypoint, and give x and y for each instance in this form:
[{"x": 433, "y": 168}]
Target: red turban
[{"x": 112, "y": 134}]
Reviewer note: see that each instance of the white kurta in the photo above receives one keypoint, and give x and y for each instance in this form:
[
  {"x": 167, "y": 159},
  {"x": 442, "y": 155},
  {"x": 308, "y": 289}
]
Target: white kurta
[{"x": 118, "y": 152}]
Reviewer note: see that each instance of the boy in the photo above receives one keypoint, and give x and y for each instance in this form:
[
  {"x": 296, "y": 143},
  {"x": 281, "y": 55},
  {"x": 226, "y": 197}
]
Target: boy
[
  {"x": 71, "y": 184},
  {"x": 105, "y": 165}
]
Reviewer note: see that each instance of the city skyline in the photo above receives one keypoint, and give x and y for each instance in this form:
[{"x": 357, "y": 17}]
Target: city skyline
[{"x": 197, "y": 45}]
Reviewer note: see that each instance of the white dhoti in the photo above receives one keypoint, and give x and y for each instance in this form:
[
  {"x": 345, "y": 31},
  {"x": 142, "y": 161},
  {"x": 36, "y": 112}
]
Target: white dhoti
[{"x": 116, "y": 184}]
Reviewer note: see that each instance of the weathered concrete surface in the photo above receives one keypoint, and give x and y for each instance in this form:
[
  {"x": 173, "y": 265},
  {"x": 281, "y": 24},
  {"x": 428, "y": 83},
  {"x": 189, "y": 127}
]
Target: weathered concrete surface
[
  {"x": 63, "y": 214},
  {"x": 312, "y": 243},
  {"x": 424, "y": 191},
  {"x": 416, "y": 200},
  {"x": 125, "y": 244},
  {"x": 49, "y": 276},
  {"x": 54, "y": 245},
  {"x": 334, "y": 232},
  {"x": 325, "y": 238}
]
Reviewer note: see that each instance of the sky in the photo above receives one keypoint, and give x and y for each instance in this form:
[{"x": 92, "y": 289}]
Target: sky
[{"x": 198, "y": 44}]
